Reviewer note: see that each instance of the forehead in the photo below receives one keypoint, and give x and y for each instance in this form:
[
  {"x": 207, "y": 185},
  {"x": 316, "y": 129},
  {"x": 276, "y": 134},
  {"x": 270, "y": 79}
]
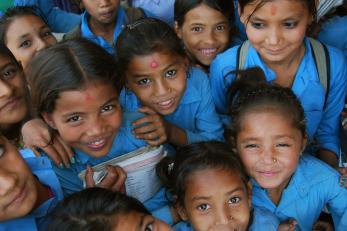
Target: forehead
[
  {"x": 24, "y": 24},
  {"x": 204, "y": 13}
]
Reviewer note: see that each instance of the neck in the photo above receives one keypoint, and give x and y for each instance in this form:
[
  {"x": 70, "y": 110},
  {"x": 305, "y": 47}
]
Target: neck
[
  {"x": 275, "y": 194},
  {"x": 43, "y": 193},
  {"x": 101, "y": 29}
]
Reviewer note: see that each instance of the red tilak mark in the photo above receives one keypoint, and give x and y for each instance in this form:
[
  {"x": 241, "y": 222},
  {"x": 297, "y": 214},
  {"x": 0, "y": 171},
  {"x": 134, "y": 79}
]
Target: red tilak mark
[
  {"x": 154, "y": 64},
  {"x": 88, "y": 97},
  {"x": 273, "y": 10}
]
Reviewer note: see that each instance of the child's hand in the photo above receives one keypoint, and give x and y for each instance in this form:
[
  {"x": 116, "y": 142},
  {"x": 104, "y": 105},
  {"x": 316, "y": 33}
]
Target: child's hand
[
  {"x": 287, "y": 225},
  {"x": 323, "y": 226},
  {"x": 114, "y": 180},
  {"x": 152, "y": 127},
  {"x": 343, "y": 177},
  {"x": 36, "y": 135}
]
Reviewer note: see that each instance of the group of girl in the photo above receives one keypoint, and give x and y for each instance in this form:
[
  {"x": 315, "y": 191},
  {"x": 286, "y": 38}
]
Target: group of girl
[{"x": 236, "y": 138}]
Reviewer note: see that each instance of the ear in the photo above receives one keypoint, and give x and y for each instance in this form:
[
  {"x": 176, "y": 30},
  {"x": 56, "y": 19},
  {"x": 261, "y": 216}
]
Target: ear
[
  {"x": 178, "y": 30},
  {"x": 304, "y": 142},
  {"x": 48, "y": 119},
  {"x": 181, "y": 212},
  {"x": 249, "y": 191}
]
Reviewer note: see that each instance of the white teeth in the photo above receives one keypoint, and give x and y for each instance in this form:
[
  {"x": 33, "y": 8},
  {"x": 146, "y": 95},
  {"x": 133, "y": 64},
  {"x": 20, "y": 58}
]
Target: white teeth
[
  {"x": 165, "y": 103},
  {"x": 98, "y": 142},
  {"x": 208, "y": 51}
]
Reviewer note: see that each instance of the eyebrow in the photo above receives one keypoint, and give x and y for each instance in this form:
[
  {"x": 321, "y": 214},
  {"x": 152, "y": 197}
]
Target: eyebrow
[
  {"x": 208, "y": 197},
  {"x": 27, "y": 34},
  {"x": 290, "y": 17},
  {"x": 139, "y": 226},
  {"x": 7, "y": 65}
]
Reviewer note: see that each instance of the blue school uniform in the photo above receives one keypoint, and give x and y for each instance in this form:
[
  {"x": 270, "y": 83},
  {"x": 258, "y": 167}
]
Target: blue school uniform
[
  {"x": 37, "y": 220},
  {"x": 123, "y": 143},
  {"x": 323, "y": 124},
  {"x": 161, "y": 9},
  {"x": 195, "y": 113},
  {"x": 262, "y": 219},
  {"x": 313, "y": 185},
  {"x": 334, "y": 33},
  {"x": 86, "y": 32}
]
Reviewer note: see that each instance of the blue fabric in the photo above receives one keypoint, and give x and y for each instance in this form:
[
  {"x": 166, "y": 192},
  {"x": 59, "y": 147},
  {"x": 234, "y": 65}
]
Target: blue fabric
[
  {"x": 58, "y": 20},
  {"x": 334, "y": 33},
  {"x": 313, "y": 185},
  {"x": 123, "y": 143},
  {"x": 37, "y": 220},
  {"x": 195, "y": 114},
  {"x": 262, "y": 220},
  {"x": 164, "y": 214},
  {"x": 323, "y": 125},
  {"x": 86, "y": 32},
  {"x": 161, "y": 9}
]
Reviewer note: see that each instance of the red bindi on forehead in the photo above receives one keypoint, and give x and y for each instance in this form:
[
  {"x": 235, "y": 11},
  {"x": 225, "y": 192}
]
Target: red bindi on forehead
[
  {"x": 154, "y": 63},
  {"x": 88, "y": 97},
  {"x": 273, "y": 10}
]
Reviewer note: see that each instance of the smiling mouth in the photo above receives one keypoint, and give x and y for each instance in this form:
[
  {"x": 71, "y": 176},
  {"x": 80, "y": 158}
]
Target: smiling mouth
[
  {"x": 166, "y": 104},
  {"x": 20, "y": 196},
  {"x": 10, "y": 103},
  {"x": 209, "y": 52},
  {"x": 98, "y": 144}
]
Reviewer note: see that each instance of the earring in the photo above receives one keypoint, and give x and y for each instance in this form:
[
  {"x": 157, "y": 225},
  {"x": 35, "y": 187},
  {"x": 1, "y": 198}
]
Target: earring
[{"x": 274, "y": 159}]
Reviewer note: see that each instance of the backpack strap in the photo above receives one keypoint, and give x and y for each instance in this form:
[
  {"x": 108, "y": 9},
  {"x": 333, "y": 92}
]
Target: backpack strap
[
  {"x": 322, "y": 61},
  {"x": 242, "y": 53}
]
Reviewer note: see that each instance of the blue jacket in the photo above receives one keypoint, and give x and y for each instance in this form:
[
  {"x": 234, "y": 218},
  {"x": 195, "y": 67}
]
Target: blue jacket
[
  {"x": 323, "y": 125},
  {"x": 196, "y": 112},
  {"x": 37, "y": 220},
  {"x": 313, "y": 185},
  {"x": 262, "y": 220},
  {"x": 58, "y": 20},
  {"x": 123, "y": 143}
]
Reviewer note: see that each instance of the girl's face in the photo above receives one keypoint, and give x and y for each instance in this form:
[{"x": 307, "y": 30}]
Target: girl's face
[
  {"x": 87, "y": 119},
  {"x": 136, "y": 221},
  {"x": 158, "y": 80},
  {"x": 205, "y": 33},
  {"x": 18, "y": 193},
  {"x": 277, "y": 29},
  {"x": 216, "y": 199},
  {"x": 13, "y": 93},
  {"x": 270, "y": 147},
  {"x": 27, "y": 35},
  {"x": 102, "y": 11}
]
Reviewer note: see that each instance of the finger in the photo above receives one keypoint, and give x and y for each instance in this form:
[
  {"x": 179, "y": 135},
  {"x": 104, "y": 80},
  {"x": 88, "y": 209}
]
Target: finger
[
  {"x": 53, "y": 154},
  {"x": 149, "y": 128},
  {"x": 110, "y": 178},
  {"x": 67, "y": 149},
  {"x": 35, "y": 151},
  {"x": 146, "y": 120},
  {"x": 120, "y": 183},
  {"x": 147, "y": 110},
  {"x": 89, "y": 177},
  {"x": 157, "y": 142},
  {"x": 61, "y": 151}
]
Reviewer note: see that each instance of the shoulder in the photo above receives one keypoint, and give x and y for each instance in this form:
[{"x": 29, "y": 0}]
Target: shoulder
[
  {"x": 265, "y": 219},
  {"x": 228, "y": 57},
  {"x": 196, "y": 76},
  {"x": 74, "y": 33},
  {"x": 183, "y": 226}
]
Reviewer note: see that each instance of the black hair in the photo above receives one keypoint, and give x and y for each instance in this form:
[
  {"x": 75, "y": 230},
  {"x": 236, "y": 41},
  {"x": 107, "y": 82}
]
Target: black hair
[
  {"x": 69, "y": 65},
  {"x": 226, "y": 7},
  {"x": 251, "y": 92},
  {"x": 14, "y": 12},
  {"x": 173, "y": 171},
  {"x": 143, "y": 37},
  {"x": 5, "y": 52},
  {"x": 93, "y": 209}
]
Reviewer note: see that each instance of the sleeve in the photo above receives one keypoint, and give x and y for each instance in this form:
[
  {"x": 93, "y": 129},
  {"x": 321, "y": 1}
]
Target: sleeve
[
  {"x": 327, "y": 133},
  {"x": 208, "y": 123}
]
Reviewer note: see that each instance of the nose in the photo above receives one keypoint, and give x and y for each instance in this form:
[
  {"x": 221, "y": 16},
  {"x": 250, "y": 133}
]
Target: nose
[
  {"x": 161, "y": 88},
  {"x": 273, "y": 36},
  {"x": 269, "y": 155},
  {"x": 223, "y": 216},
  {"x": 41, "y": 44},
  {"x": 104, "y": 3},
  {"x": 209, "y": 38},
  {"x": 96, "y": 127},
  {"x": 8, "y": 181},
  {"x": 5, "y": 89}
]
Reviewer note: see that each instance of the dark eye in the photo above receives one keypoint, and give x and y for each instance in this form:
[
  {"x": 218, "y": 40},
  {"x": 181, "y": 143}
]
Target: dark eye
[
  {"x": 25, "y": 44},
  {"x": 258, "y": 25},
  {"x": 282, "y": 145},
  {"x": 234, "y": 200},
  {"x": 47, "y": 33},
  {"x": 170, "y": 73},
  {"x": 220, "y": 28},
  {"x": 251, "y": 146},
  {"x": 2, "y": 149},
  {"x": 74, "y": 119},
  {"x": 196, "y": 29},
  {"x": 107, "y": 108},
  {"x": 149, "y": 227},
  {"x": 203, "y": 207},
  {"x": 9, "y": 73},
  {"x": 145, "y": 81},
  {"x": 290, "y": 25}
]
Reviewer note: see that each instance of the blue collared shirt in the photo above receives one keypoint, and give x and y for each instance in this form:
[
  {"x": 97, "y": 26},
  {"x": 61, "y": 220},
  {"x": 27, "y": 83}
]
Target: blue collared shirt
[
  {"x": 195, "y": 113},
  {"x": 123, "y": 143},
  {"x": 161, "y": 9},
  {"x": 262, "y": 220},
  {"x": 321, "y": 124},
  {"x": 37, "y": 220},
  {"x": 313, "y": 185},
  {"x": 86, "y": 32}
]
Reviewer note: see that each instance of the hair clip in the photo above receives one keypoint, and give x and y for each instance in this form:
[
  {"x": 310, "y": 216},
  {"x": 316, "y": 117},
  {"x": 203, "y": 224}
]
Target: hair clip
[{"x": 170, "y": 167}]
